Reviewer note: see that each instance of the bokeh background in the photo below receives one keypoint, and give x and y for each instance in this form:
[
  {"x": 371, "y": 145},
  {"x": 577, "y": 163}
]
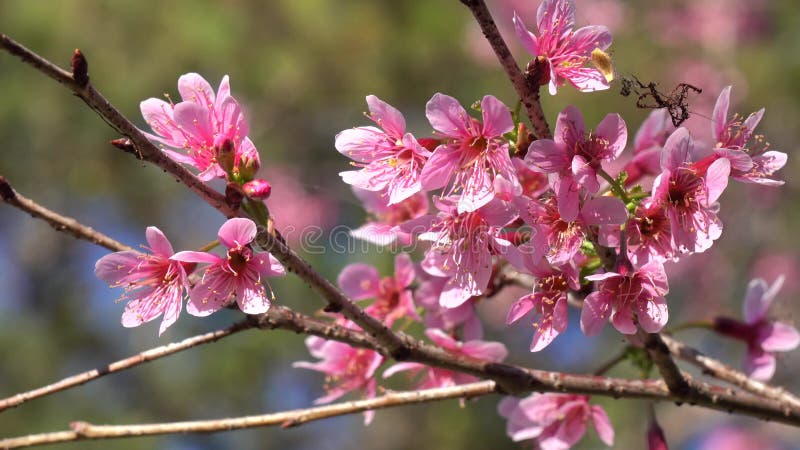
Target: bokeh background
[{"x": 302, "y": 69}]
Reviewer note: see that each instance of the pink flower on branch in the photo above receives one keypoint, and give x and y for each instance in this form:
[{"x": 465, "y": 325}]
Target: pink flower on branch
[
  {"x": 393, "y": 296},
  {"x": 238, "y": 274},
  {"x": 647, "y": 146},
  {"x": 688, "y": 192},
  {"x": 346, "y": 368},
  {"x": 555, "y": 421},
  {"x": 764, "y": 337},
  {"x": 154, "y": 282},
  {"x": 574, "y": 156},
  {"x": 203, "y": 125},
  {"x": 472, "y": 154},
  {"x": 383, "y": 221},
  {"x": 462, "y": 319},
  {"x": 627, "y": 296},
  {"x": 390, "y": 159},
  {"x": 567, "y": 52},
  {"x": 434, "y": 377},
  {"x": 751, "y": 162}
]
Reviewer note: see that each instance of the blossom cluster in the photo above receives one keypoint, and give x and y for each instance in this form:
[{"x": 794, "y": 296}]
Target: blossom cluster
[{"x": 484, "y": 199}]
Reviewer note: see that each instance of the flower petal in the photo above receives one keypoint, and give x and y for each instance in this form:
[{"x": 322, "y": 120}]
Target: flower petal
[
  {"x": 447, "y": 116},
  {"x": 387, "y": 116},
  {"x": 158, "y": 242},
  {"x": 594, "y": 314},
  {"x": 497, "y": 119},
  {"x": 237, "y": 232},
  {"x": 359, "y": 281}
]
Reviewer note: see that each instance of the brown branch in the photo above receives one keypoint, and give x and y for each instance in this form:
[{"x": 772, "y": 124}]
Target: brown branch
[
  {"x": 87, "y": 431},
  {"x": 659, "y": 353},
  {"x": 337, "y": 301},
  {"x": 60, "y": 223},
  {"x": 527, "y": 91},
  {"x": 719, "y": 370},
  {"x": 123, "y": 364}
]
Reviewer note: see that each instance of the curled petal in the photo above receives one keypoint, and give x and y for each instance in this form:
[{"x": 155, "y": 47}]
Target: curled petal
[{"x": 237, "y": 232}]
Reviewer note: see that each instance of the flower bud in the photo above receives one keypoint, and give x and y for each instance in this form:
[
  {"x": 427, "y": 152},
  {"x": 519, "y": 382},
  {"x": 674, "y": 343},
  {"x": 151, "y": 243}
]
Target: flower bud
[
  {"x": 257, "y": 189},
  {"x": 226, "y": 155},
  {"x": 248, "y": 164},
  {"x": 429, "y": 144},
  {"x": 538, "y": 71},
  {"x": 655, "y": 437}
]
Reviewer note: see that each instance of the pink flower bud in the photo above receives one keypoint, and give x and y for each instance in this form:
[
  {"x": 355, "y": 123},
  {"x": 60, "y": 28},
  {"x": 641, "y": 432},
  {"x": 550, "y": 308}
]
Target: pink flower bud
[
  {"x": 226, "y": 155},
  {"x": 257, "y": 188},
  {"x": 655, "y": 437}
]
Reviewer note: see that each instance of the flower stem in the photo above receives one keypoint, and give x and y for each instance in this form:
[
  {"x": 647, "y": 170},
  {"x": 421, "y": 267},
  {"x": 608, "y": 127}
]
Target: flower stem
[
  {"x": 209, "y": 246},
  {"x": 615, "y": 187}
]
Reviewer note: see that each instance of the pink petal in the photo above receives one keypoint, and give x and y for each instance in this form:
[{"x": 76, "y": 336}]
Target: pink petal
[
  {"x": 194, "y": 88},
  {"x": 756, "y": 303},
  {"x": 232, "y": 122},
  {"x": 223, "y": 92},
  {"x": 268, "y": 265},
  {"x": 613, "y": 129},
  {"x": 362, "y": 144},
  {"x": 359, "y": 281},
  {"x": 158, "y": 242},
  {"x": 172, "y": 311},
  {"x": 194, "y": 121},
  {"x": 676, "y": 149},
  {"x": 403, "y": 270},
  {"x": 602, "y": 276},
  {"x": 587, "y": 38},
  {"x": 402, "y": 367},
  {"x": 759, "y": 365},
  {"x": 209, "y": 296},
  {"x": 237, "y": 232},
  {"x": 779, "y": 337},
  {"x": 497, "y": 119},
  {"x": 159, "y": 115},
  {"x": 622, "y": 319},
  {"x": 389, "y": 118},
  {"x": 375, "y": 233},
  {"x": 252, "y": 299},
  {"x": 586, "y": 79},
  {"x": 602, "y": 425},
  {"x": 488, "y": 351},
  {"x": 594, "y": 314},
  {"x": 604, "y": 211},
  {"x": 520, "y": 308},
  {"x": 584, "y": 174},
  {"x": 717, "y": 179},
  {"x": 653, "y": 314},
  {"x": 196, "y": 257},
  {"x": 739, "y": 159},
  {"x": 447, "y": 116},
  {"x": 548, "y": 156},
  {"x": 439, "y": 168},
  {"x": 568, "y": 199},
  {"x": 653, "y": 131},
  {"x": 570, "y": 127},
  {"x": 527, "y": 38},
  {"x": 442, "y": 339},
  {"x": 556, "y": 17},
  {"x": 719, "y": 118},
  {"x": 116, "y": 267}
]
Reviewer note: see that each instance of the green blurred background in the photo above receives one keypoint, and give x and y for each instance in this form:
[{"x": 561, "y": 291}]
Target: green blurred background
[{"x": 302, "y": 68}]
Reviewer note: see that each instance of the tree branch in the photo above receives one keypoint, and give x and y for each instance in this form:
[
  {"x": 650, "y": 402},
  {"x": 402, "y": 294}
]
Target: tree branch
[
  {"x": 677, "y": 381},
  {"x": 718, "y": 369},
  {"x": 60, "y": 223},
  {"x": 87, "y": 431},
  {"x": 528, "y": 93}
]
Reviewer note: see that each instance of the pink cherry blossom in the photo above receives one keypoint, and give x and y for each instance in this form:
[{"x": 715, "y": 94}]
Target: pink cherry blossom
[
  {"x": 764, "y": 337},
  {"x": 346, "y": 368},
  {"x": 647, "y": 146},
  {"x": 575, "y": 156},
  {"x": 738, "y": 437},
  {"x": 649, "y": 233},
  {"x": 567, "y": 52},
  {"x": 627, "y": 294},
  {"x": 555, "y": 421},
  {"x": 383, "y": 223},
  {"x": 390, "y": 159},
  {"x": 689, "y": 194},
  {"x": 434, "y": 377},
  {"x": 548, "y": 300},
  {"x": 559, "y": 239},
  {"x": 472, "y": 154},
  {"x": 533, "y": 182},
  {"x": 463, "y": 246},
  {"x": 200, "y": 125},
  {"x": 462, "y": 318},
  {"x": 238, "y": 274},
  {"x": 393, "y": 297},
  {"x": 154, "y": 283},
  {"x": 258, "y": 189},
  {"x": 747, "y": 152}
]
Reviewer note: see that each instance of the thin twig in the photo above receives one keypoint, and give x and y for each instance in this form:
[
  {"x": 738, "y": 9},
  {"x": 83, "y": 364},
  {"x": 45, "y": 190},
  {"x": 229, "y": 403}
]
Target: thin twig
[
  {"x": 87, "y": 431},
  {"x": 678, "y": 382},
  {"x": 528, "y": 93},
  {"x": 123, "y": 364},
  {"x": 60, "y": 223},
  {"x": 718, "y": 369}
]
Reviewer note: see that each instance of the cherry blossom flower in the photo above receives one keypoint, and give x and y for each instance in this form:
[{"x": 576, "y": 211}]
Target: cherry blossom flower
[
  {"x": 347, "y": 369},
  {"x": 239, "y": 273},
  {"x": 463, "y": 245},
  {"x": 390, "y": 159},
  {"x": 747, "y": 152},
  {"x": 574, "y": 156},
  {"x": 153, "y": 282},
  {"x": 548, "y": 300},
  {"x": 764, "y": 337},
  {"x": 559, "y": 239},
  {"x": 625, "y": 293},
  {"x": 448, "y": 319},
  {"x": 689, "y": 194},
  {"x": 534, "y": 183},
  {"x": 555, "y": 421},
  {"x": 383, "y": 224},
  {"x": 567, "y": 52},
  {"x": 649, "y": 233},
  {"x": 200, "y": 125},
  {"x": 472, "y": 154},
  {"x": 393, "y": 298},
  {"x": 435, "y": 377}
]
